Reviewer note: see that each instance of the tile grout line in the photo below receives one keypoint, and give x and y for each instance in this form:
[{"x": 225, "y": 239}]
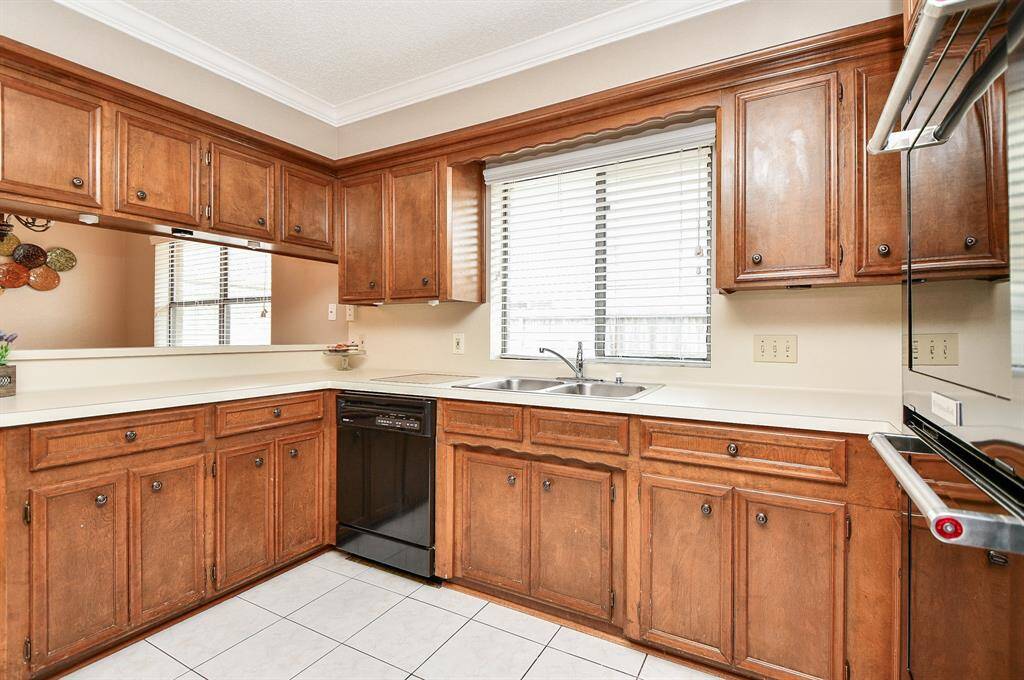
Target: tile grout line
[
  {"x": 431, "y": 655},
  {"x": 193, "y": 668}
]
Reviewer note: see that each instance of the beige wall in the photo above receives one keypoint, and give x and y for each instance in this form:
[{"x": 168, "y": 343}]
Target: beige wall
[{"x": 302, "y": 289}]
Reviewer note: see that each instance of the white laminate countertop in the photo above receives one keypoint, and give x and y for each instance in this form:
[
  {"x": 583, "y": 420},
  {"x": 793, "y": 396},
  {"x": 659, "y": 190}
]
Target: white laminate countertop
[{"x": 807, "y": 409}]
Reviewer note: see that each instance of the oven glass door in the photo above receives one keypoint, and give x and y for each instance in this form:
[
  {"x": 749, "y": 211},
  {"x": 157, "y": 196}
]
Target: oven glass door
[{"x": 384, "y": 483}]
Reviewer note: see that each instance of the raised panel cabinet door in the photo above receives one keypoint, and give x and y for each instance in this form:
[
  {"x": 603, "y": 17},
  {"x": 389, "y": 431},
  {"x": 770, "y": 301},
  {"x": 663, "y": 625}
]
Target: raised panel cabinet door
[
  {"x": 241, "y": 193},
  {"x": 415, "y": 213},
  {"x": 494, "y": 517},
  {"x": 157, "y": 170},
  {"x": 790, "y": 584},
  {"x": 571, "y": 542},
  {"x": 787, "y": 180},
  {"x": 958, "y": 194},
  {"x": 971, "y": 596},
  {"x": 307, "y": 204},
  {"x": 361, "y": 258},
  {"x": 49, "y": 144},
  {"x": 299, "y": 494},
  {"x": 79, "y": 566},
  {"x": 686, "y": 564},
  {"x": 244, "y": 513},
  {"x": 168, "y": 546}
]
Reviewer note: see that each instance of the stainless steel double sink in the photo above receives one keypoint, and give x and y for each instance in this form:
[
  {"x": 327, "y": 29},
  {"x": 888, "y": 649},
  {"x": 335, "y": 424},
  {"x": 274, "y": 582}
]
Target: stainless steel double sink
[{"x": 565, "y": 386}]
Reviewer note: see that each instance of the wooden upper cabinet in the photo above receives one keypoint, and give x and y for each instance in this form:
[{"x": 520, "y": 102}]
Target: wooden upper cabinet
[
  {"x": 361, "y": 265},
  {"x": 168, "y": 544},
  {"x": 299, "y": 494},
  {"x": 781, "y": 160},
  {"x": 415, "y": 207},
  {"x": 307, "y": 208},
  {"x": 158, "y": 169},
  {"x": 79, "y": 566},
  {"x": 242, "y": 188},
  {"x": 49, "y": 143},
  {"x": 572, "y": 538},
  {"x": 494, "y": 519},
  {"x": 245, "y": 513},
  {"x": 686, "y": 564},
  {"x": 790, "y": 583}
]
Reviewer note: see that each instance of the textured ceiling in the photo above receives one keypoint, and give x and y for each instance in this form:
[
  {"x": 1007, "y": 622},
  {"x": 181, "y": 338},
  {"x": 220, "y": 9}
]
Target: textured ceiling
[{"x": 341, "y": 50}]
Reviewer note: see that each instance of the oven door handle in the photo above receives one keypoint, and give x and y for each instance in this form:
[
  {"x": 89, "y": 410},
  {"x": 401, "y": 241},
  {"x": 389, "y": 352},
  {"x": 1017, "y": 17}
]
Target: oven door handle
[{"x": 949, "y": 525}]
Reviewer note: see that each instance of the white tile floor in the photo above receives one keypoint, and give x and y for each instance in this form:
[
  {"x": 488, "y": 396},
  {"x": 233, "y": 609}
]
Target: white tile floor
[{"x": 338, "y": 619}]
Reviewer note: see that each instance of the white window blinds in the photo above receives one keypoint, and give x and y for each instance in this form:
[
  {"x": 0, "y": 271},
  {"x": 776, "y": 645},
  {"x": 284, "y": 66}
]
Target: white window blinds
[
  {"x": 610, "y": 246},
  {"x": 210, "y": 295}
]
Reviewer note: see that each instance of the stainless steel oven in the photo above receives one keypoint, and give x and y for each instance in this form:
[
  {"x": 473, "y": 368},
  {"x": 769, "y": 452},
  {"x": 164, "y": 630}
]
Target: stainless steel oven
[{"x": 960, "y": 459}]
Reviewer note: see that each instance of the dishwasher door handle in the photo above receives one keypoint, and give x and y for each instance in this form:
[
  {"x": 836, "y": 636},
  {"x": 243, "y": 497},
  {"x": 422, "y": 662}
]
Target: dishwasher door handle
[{"x": 949, "y": 525}]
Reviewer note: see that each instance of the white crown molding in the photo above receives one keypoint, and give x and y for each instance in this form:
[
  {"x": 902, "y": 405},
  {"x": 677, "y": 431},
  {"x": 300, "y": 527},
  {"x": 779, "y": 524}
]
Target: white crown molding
[{"x": 623, "y": 22}]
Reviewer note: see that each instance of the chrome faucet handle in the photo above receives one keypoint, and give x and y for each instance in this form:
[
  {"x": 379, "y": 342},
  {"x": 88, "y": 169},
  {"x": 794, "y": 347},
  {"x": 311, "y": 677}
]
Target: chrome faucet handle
[{"x": 579, "y": 357}]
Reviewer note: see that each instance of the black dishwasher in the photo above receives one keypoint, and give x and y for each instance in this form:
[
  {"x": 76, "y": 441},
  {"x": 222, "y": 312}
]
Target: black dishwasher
[{"x": 386, "y": 479}]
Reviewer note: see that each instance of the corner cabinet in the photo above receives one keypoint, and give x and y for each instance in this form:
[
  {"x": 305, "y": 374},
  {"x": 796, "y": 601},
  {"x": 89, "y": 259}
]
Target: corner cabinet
[
  {"x": 412, "y": 233},
  {"x": 307, "y": 206}
]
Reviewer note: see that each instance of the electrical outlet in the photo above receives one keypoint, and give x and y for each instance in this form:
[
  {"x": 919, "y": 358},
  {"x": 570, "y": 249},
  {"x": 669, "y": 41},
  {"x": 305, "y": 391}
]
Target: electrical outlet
[
  {"x": 776, "y": 349},
  {"x": 458, "y": 343},
  {"x": 332, "y": 312},
  {"x": 936, "y": 349},
  {"x": 350, "y": 312}
]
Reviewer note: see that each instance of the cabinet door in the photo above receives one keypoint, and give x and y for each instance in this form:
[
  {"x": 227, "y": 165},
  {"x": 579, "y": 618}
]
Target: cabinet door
[
  {"x": 79, "y": 572},
  {"x": 495, "y": 520},
  {"x": 686, "y": 566},
  {"x": 361, "y": 260},
  {"x": 167, "y": 538},
  {"x": 63, "y": 129},
  {"x": 786, "y": 179},
  {"x": 158, "y": 170},
  {"x": 790, "y": 570},
  {"x": 414, "y": 232},
  {"x": 308, "y": 202},
  {"x": 245, "y": 513},
  {"x": 971, "y": 596},
  {"x": 242, "y": 193},
  {"x": 571, "y": 538},
  {"x": 299, "y": 494}
]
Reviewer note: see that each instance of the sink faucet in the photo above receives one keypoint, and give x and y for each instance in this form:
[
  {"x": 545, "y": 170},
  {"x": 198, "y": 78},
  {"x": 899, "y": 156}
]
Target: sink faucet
[{"x": 577, "y": 368}]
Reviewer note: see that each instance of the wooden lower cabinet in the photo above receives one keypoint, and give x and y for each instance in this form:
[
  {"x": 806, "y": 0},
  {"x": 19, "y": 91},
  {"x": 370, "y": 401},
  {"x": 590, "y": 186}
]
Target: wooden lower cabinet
[
  {"x": 299, "y": 501},
  {"x": 789, "y": 600},
  {"x": 245, "y": 513},
  {"x": 686, "y": 565},
  {"x": 571, "y": 531},
  {"x": 495, "y": 518},
  {"x": 168, "y": 542},
  {"x": 79, "y": 566}
]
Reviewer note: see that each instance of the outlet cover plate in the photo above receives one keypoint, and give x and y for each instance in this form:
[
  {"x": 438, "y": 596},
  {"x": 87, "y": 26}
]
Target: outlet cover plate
[
  {"x": 775, "y": 349},
  {"x": 458, "y": 343}
]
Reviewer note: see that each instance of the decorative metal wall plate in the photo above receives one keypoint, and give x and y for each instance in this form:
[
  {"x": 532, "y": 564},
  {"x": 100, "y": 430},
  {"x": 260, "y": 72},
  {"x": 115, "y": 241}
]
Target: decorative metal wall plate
[
  {"x": 13, "y": 275},
  {"x": 43, "y": 278},
  {"x": 60, "y": 259},
  {"x": 30, "y": 255},
  {"x": 7, "y": 245}
]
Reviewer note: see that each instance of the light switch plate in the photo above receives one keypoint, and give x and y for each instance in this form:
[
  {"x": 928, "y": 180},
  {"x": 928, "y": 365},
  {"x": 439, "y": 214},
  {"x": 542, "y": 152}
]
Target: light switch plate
[
  {"x": 776, "y": 349},
  {"x": 936, "y": 349},
  {"x": 332, "y": 312},
  {"x": 458, "y": 343}
]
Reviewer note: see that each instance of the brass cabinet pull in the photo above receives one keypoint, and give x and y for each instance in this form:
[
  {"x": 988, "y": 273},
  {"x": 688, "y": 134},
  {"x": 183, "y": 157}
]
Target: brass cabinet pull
[
  {"x": 157, "y": 485},
  {"x": 705, "y": 509},
  {"x": 258, "y": 462},
  {"x": 260, "y": 221},
  {"x": 546, "y": 484},
  {"x": 101, "y": 500},
  {"x": 884, "y": 250},
  {"x": 425, "y": 280},
  {"x": 277, "y": 412},
  {"x": 373, "y": 284},
  {"x": 756, "y": 258},
  {"x": 733, "y": 448},
  {"x": 77, "y": 181},
  {"x": 970, "y": 242},
  {"x": 294, "y": 453},
  {"x": 297, "y": 228},
  {"x": 131, "y": 435},
  {"x": 142, "y": 195},
  {"x": 511, "y": 479},
  {"x": 761, "y": 518}
]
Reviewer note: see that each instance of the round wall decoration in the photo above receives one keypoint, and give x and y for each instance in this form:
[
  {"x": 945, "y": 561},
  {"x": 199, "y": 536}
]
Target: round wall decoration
[
  {"x": 13, "y": 275},
  {"x": 60, "y": 259},
  {"x": 29, "y": 255},
  {"x": 43, "y": 278},
  {"x": 7, "y": 245}
]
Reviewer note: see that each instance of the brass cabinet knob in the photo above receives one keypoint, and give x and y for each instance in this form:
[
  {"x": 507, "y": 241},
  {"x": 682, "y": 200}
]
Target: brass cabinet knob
[
  {"x": 157, "y": 485},
  {"x": 277, "y": 412},
  {"x": 546, "y": 484},
  {"x": 297, "y": 228},
  {"x": 258, "y": 462},
  {"x": 884, "y": 250},
  {"x": 260, "y": 221},
  {"x": 373, "y": 284},
  {"x": 705, "y": 509},
  {"x": 970, "y": 242},
  {"x": 756, "y": 258},
  {"x": 78, "y": 181},
  {"x": 733, "y": 448},
  {"x": 511, "y": 480},
  {"x": 425, "y": 280},
  {"x": 141, "y": 195},
  {"x": 131, "y": 435},
  {"x": 294, "y": 453},
  {"x": 101, "y": 500},
  {"x": 761, "y": 518}
]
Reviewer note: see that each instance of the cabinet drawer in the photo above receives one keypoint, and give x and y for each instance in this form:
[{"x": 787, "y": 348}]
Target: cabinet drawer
[
  {"x": 484, "y": 420},
  {"x": 84, "y": 440},
  {"x": 788, "y": 455},
  {"x": 260, "y": 414},
  {"x": 579, "y": 430}
]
